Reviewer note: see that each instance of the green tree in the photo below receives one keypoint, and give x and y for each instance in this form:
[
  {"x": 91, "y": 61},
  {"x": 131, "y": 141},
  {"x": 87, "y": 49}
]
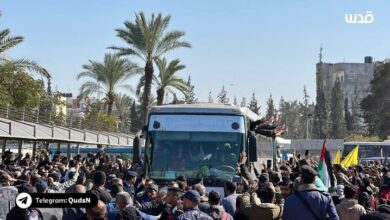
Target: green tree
[
  {"x": 355, "y": 113},
  {"x": 320, "y": 126},
  {"x": 101, "y": 121},
  {"x": 22, "y": 64},
  {"x": 305, "y": 113},
  {"x": 271, "y": 111},
  {"x": 166, "y": 81},
  {"x": 253, "y": 106},
  {"x": 190, "y": 94},
  {"x": 222, "y": 96},
  {"x": 18, "y": 88},
  {"x": 148, "y": 40},
  {"x": 108, "y": 76},
  {"x": 135, "y": 122},
  {"x": 282, "y": 110},
  {"x": 290, "y": 116},
  {"x": 336, "y": 112},
  {"x": 123, "y": 104},
  {"x": 376, "y": 105}
]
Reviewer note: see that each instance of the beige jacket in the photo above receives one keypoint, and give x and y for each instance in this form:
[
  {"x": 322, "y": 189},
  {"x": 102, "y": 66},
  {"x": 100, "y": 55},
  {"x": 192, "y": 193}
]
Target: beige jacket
[
  {"x": 255, "y": 210},
  {"x": 349, "y": 209}
]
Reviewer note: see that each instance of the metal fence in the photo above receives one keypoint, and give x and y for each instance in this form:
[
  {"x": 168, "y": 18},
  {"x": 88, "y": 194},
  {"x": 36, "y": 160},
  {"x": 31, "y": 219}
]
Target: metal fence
[{"x": 38, "y": 116}]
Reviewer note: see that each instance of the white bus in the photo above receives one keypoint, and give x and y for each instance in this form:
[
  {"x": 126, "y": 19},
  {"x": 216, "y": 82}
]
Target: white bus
[
  {"x": 200, "y": 142},
  {"x": 369, "y": 150}
]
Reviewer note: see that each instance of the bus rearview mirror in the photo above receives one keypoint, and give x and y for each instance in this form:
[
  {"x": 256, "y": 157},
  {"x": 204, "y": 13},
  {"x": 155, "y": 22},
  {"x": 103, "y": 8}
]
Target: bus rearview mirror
[{"x": 252, "y": 148}]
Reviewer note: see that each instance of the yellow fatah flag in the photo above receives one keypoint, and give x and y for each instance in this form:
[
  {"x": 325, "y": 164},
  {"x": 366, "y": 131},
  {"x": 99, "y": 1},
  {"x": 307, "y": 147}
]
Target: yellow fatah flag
[
  {"x": 351, "y": 159},
  {"x": 337, "y": 158}
]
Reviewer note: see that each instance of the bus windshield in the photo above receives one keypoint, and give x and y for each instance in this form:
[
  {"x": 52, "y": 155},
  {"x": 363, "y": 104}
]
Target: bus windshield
[{"x": 194, "y": 154}]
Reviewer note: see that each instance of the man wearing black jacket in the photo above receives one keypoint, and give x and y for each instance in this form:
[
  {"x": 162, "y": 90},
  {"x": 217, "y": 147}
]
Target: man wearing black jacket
[{"x": 172, "y": 208}]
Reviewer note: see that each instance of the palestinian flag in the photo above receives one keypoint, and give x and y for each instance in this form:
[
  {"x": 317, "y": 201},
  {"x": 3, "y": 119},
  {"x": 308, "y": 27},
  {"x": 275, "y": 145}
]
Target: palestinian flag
[{"x": 325, "y": 169}]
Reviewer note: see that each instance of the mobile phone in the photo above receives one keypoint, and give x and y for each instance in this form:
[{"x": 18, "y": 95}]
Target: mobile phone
[
  {"x": 307, "y": 153},
  {"x": 237, "y": 179},
  {"x": 299, "y": 156},
  {"x": 269, "y": 164}
]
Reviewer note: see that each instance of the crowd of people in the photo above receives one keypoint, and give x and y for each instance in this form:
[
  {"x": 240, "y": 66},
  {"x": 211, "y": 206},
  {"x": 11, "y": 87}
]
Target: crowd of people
[{"x": 292, "y": 191}]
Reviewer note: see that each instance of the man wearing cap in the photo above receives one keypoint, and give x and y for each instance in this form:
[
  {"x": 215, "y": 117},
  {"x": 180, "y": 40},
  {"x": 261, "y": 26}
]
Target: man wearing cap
[
  {"x": 130, "y": 179},
  {"x": 151, "y": 191},
  {"x": 47, "y": 213},
  {"x": 191, "y": 200},
  {"x": 308, "y": 202}
]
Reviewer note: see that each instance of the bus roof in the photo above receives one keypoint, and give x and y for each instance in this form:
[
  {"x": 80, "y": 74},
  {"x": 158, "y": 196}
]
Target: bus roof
[
  {"x": 204, "y": 108},
  {"x": 366, "y": 143}
]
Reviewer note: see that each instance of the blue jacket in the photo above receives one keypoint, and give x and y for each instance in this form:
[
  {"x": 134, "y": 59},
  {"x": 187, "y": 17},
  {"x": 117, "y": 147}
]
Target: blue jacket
[
  {"x": 229, "y": 203},
  {"x": 321, "y": 203}
]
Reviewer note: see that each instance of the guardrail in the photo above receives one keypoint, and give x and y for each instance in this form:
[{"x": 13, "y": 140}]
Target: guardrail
[{"x": 34, "y": 115}]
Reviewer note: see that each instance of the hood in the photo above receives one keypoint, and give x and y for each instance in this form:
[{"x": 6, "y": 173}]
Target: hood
[
  {"x": 348, "y": 204},
  {"x": 304, "y": 187}
]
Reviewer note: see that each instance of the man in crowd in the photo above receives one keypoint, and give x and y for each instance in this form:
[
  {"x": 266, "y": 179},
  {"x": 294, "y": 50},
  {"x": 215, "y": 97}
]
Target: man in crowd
[
  {"x": 216, "y": 211},
  {"x": 309, "y": 203},
  {"x": 229, "y": 202},
  {"x": 349, "y": 207},
  {"x": 204, "y": 200},
  {"x": 173, "y": 207},
  {"x": 98, "y": 189},
  {"x": 130, "y": 179},
  {"x": 382, "y": 212},
  {"x": 286, "y": 188},
  {"x": 191, "y": 200},
  {"x": 266, "y": 207}
]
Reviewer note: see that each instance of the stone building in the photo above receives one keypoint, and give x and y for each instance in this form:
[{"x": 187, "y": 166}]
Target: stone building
[{"x": 353, "y": 77}]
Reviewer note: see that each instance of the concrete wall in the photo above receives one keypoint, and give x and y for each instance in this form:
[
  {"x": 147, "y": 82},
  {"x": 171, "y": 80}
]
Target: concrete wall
[{"x": 351, "y": 75}]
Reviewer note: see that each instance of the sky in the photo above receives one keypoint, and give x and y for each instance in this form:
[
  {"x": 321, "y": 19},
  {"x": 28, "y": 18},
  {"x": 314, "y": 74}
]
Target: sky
[{"x": 266, "y": 47}]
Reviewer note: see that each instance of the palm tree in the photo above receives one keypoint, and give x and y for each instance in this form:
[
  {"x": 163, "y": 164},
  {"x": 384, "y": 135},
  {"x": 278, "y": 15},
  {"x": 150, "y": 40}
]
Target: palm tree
[
  {"x": 149, "y": 39},
  {"x": 166, "y": 80},
  {"x": 7, "y": 42},
  {"x": 123, "y": 104},
  {"x": 107, "y": 76}
]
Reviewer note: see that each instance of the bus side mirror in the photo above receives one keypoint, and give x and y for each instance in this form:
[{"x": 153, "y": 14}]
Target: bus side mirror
[
  {"x": 252, "y": 147},
  {"x": 136, "y": 150}
]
